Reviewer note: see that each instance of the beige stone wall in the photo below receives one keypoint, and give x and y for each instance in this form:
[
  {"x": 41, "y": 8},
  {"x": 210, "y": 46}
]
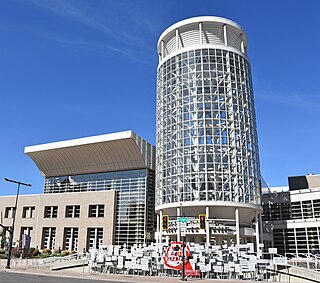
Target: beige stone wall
[{"x": 84, "y": 199}]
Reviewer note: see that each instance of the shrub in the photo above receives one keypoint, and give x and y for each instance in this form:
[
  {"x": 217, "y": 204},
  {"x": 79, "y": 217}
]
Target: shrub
[
  {"x": 73, "y": 252},
  {"x": 56, "y": 252},
  {"x": 46, "y": 252},
  {"x": 15, "y": 252},
  {"x": 33, "y": 252},
  {"x": 2, "y": 252}
]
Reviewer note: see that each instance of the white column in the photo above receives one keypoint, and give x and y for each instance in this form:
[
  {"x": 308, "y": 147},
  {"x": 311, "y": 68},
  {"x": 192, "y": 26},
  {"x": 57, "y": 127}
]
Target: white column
[
  {"x": 178, "y": 224},
  {"x": 237, "y": 226},
  {"x": 207, "y": 226},
  {"x": 225, "y": 35},
  {"x": 257, "y": 233},
  {"x": 200, "y": 33},
  {"x": 160, "y": 230},
  {"x": 177, "y": 39},
  {"x": 242, "y": 47},
  {"x": 162, "y": 49}
]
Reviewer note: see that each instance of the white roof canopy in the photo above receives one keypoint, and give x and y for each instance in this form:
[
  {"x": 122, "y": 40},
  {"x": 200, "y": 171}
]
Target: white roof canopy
[{"x": 103, "y": 153}]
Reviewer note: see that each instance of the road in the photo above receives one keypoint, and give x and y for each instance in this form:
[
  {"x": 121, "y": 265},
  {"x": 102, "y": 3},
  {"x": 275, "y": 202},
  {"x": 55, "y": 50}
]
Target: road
[
  {"x": 25, "y": 276},
  {"x": 13, "y": 277}
]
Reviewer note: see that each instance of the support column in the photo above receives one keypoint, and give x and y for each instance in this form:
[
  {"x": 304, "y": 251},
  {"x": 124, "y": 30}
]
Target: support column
[
  {"x": 225, "y": 35},
  {"x": 200, "y": 33},
  {"x": 160, "y": 230},
  {"x": 177, "y": 39},
  {"x": 162, "y": 49},
  {"x": 237, "y": 226},
  {"x": 207, "y": 227},
  {"x": 242, "y": 47},
  {"x": 257, "y": 234},
  {"x": 178, "y": 224}
]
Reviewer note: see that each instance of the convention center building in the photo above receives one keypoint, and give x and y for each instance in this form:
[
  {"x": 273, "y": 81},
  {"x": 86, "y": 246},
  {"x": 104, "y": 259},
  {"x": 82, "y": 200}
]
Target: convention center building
[{"x": 97, "y": 190}]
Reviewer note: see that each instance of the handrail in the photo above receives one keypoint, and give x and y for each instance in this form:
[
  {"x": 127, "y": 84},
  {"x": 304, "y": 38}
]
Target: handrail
[
  {"x": 307, "y": 258},
  {"x": 293, "y": 275},
  {"x": 62, "y": 258}
]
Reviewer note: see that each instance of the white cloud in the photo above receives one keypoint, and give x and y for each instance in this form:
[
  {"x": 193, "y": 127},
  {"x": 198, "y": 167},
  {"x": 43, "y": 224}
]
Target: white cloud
[
  {"x": 290, "y": 99},
  {"x": 110, "y": 23}
]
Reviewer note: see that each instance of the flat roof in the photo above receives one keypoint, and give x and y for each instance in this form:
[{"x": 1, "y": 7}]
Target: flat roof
[
  {"x": 198, "y": 19},
  {"x": 103, "y": 153}
]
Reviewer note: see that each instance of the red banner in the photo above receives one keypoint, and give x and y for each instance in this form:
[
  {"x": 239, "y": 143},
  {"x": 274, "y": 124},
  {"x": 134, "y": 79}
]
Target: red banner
[{"x": 172, "y": 258}]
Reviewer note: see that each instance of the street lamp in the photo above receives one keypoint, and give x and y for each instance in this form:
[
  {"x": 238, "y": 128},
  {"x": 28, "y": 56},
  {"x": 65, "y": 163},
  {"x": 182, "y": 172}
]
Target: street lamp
[{"x": 14, "y": 216}]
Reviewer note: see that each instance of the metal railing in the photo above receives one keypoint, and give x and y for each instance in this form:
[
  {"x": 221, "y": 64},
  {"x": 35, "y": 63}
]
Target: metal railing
[
  {"x": 308, "y": 260},
  {"x": 59, "y": 261}
]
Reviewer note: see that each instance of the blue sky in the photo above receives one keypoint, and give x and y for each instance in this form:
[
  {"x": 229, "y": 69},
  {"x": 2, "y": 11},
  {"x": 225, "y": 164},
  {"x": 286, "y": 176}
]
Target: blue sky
[{"x": 71, "y": 69}]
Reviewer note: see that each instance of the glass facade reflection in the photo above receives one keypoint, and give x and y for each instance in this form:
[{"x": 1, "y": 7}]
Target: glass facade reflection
[
  {"x": 207, "y": 145},
  {"x": 135, "y": 199}
]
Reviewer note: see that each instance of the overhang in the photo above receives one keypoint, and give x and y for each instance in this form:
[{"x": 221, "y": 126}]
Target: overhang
[{"x": 103, "y": 153}]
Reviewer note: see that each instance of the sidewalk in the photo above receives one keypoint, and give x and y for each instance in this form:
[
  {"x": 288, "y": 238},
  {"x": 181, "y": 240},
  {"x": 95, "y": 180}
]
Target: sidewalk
[{"x": 115, "y": 278}]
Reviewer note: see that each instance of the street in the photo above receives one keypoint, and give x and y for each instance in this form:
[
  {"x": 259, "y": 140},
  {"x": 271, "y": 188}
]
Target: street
[
  {"x": 25, "y": 276},
  {"x": 13, "y": 277}
]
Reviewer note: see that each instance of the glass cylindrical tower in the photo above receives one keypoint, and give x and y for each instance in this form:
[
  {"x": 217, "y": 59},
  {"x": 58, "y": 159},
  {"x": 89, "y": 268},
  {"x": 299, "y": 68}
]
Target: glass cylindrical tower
[{"x": 207, "y": 148}]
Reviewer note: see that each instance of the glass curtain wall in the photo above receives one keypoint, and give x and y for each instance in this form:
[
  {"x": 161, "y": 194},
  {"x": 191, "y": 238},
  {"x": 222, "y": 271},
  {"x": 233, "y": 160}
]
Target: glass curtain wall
[
  {"x": 207, "y": 146},
  {"x": 135, "y": 199}
]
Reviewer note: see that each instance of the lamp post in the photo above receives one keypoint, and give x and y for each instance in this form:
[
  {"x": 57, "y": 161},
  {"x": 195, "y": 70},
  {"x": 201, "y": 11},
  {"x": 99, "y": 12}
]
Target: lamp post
[
  {"x": 183, "y": 278},
  {"x": 11, "y": 231}
]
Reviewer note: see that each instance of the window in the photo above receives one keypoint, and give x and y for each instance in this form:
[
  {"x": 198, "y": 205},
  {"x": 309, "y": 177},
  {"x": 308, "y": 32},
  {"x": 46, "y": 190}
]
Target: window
[
  {"x": 96, "y": 210},
  {"x": 307, "y": 209},
  {"x": 25, "y": 231},
  {"x": 316, "y": 207},
  {"x": 72, "y": 211},
  {"x": 286, "y": 210},
  {"x": 94, "y": 237},
  {"x": 4, "y": 234},
  {"x": 296, "y": 210},
  {"x": 9, "y": 212},
  {"x": 28, "y": 212},
  {"x": 70, "y": 240},
  {"x": 50, "y": 211},
  {"x": 48, "y": 238}
]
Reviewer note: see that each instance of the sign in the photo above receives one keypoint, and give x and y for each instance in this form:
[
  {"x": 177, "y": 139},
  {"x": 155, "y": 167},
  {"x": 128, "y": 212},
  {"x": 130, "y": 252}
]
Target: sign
[
  {"x": 273, "y": 250},
  {"x": 172, "y": 258},
  {"x": 183, "y": 226},
  {"x": 182, "y": 219},
  {"x": 120, "y": 262},
  {"x": 280, "y": 260},
  {"x": 26, "y": 239}
]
